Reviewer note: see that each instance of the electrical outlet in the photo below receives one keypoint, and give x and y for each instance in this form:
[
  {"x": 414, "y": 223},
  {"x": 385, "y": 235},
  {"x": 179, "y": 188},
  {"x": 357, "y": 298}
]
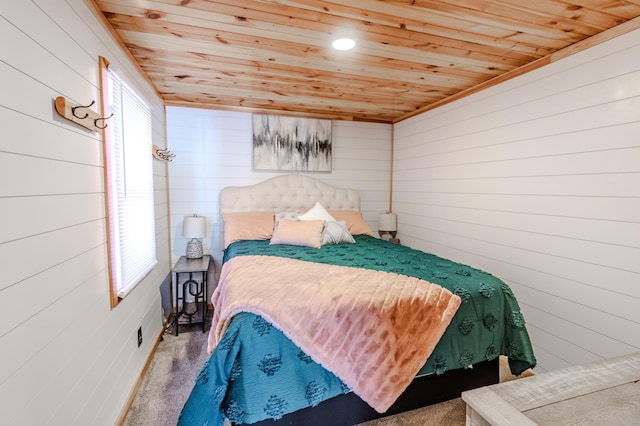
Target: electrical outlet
[{"x": 139, "y": 336}]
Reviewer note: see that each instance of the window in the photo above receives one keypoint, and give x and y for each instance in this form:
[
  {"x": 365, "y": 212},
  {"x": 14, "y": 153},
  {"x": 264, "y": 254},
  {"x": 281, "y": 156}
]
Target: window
[{"x": 128, "y": 185}]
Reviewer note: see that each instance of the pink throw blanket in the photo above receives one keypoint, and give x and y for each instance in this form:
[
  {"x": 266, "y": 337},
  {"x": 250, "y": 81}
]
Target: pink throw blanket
[{"x": 372, "y": 329}]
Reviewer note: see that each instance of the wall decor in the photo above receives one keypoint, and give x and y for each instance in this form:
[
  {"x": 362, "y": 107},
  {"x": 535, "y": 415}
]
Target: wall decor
[{"x": 283, "y": 143}]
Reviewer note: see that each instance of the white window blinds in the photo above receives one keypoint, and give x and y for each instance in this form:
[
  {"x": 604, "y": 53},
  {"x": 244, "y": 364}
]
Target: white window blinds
[{"x": 130, "y": 187}]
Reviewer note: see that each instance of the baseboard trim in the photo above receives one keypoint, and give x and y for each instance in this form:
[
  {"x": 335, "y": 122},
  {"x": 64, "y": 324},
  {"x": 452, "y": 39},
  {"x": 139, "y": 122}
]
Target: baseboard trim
[{"x": 136, "y": 387}]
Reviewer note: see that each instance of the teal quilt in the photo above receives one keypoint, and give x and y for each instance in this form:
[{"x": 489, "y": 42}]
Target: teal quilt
[{"x": 257, "y": 373}]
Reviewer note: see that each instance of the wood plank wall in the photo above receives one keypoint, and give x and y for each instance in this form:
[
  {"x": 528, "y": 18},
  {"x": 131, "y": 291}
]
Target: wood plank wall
[
  {"x": 537, "y": 181},
  {"x": 66, "y": 357},
  {"x": 213, "y": 150}
]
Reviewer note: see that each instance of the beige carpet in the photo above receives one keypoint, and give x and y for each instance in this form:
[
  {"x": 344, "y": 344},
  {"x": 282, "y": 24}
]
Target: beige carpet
[
  {"x": 169, "y": 378},
  {"x": 178, "y": 360},
  {"x": 450, "y": 413}
]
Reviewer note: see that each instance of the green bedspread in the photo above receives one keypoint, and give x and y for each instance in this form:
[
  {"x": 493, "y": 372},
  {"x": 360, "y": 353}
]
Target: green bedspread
[{"x": 487, "y": 324}]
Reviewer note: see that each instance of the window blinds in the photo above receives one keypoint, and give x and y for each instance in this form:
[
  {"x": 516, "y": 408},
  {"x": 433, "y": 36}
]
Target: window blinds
[{"x": 130, "y": 180}]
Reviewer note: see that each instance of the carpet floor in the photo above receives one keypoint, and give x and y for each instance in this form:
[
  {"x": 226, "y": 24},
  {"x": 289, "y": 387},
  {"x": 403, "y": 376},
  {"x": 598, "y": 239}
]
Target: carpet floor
[{"x": 178, "y": 360}]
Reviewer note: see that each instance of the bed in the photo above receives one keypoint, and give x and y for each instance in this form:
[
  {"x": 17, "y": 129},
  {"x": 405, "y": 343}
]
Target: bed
[{"x": 317, "y": 321}]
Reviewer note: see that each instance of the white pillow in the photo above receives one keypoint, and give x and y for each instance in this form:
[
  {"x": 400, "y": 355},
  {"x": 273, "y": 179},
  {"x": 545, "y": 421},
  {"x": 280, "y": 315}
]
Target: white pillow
[
  {"x": 336, "y": 232},
  {"x": 317, "y": 212}
]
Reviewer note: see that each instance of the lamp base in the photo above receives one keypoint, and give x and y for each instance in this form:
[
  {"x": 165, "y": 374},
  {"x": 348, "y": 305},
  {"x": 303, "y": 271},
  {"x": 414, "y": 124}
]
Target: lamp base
[{"x": 194, "y": 249}]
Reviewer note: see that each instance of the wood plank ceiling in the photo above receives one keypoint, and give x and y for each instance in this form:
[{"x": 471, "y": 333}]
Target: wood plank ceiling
[{"x": 275, "y": 56}]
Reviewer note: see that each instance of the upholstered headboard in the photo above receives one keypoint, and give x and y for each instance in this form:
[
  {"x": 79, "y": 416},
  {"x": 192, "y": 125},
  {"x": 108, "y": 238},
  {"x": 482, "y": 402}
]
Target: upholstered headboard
[{"x": 287, "y": 192}]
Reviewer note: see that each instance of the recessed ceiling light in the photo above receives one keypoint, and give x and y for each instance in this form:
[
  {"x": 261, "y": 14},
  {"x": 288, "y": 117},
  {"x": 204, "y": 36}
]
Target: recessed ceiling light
[{"x": 343, "y": 44}]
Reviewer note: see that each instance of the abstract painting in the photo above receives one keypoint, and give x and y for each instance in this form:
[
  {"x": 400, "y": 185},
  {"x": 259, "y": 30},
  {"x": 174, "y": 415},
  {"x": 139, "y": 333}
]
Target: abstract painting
[{"x": 283, "y": 143}]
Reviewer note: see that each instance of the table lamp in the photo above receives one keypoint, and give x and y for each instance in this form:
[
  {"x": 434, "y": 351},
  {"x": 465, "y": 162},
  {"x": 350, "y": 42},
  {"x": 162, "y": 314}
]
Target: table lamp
[
  {"x": 194, "y": 227},
  {"x": 387, "y": 226}
]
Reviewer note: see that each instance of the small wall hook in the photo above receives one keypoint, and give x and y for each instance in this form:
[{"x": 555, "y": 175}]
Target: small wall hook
[
  {"x": 67, "y": 109},
  {"x": 73, "y": 110},
  {"x": 95, "y": 122},
  {"x": 162, "y": 153}
]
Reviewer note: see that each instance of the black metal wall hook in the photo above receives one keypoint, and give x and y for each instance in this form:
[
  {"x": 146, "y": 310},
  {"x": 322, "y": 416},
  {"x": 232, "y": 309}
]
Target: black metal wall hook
[
  {"x": 73, "y": 110},
  {"x": 91, "y": 120},
  {"x": 95, "y": 122}
]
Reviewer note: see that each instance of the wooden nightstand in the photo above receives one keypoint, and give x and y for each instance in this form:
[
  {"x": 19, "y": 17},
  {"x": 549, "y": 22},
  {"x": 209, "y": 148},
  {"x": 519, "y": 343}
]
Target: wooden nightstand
[{"x": 191, "y": 302}]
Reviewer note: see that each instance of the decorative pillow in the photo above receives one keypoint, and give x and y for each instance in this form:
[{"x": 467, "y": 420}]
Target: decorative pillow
[
  {"x": 299, "y": 233},
  {"x": 247, "y": 226},
  {"x": 336, "y": 232},
  {"x": 355, "y": 221},
  {"x": 317, "y": 212}
]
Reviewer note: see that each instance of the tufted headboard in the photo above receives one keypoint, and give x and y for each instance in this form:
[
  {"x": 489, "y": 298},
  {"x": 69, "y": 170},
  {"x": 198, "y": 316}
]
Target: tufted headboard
[{"x": 287, "y": 192}]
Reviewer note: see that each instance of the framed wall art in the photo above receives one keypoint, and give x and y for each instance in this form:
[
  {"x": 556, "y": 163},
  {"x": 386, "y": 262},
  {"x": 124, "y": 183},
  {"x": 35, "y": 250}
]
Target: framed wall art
[{"x": 283, "y": 143}]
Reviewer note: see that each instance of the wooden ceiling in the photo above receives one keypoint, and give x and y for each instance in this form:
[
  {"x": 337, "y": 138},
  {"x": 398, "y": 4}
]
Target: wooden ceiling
[{"x": 275, "y": 56}]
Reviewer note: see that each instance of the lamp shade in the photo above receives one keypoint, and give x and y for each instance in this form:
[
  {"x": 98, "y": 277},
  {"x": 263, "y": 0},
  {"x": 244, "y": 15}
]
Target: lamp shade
[
  {"x": 194, "y": 226},
  {"x": 387, "y": 222}
]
